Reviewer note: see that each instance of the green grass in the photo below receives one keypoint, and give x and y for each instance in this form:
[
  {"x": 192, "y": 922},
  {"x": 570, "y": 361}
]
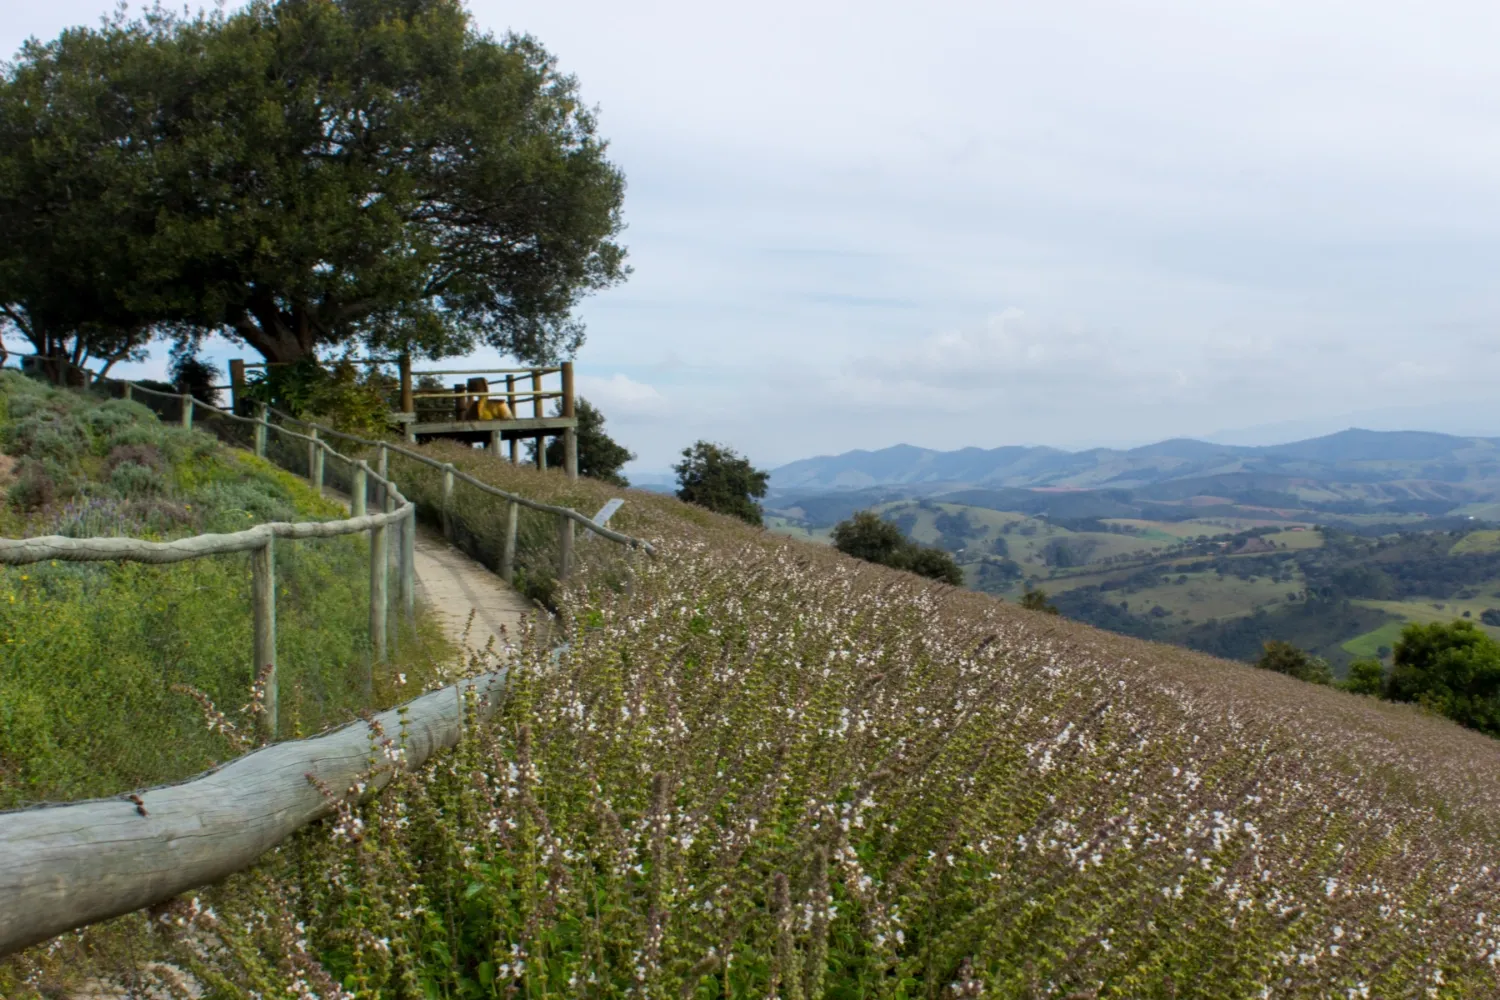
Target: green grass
[
  {"x": 90, "y": 653},
  {"x": 1368, "y": 646},
  {"x": 1477, "y": 542}
]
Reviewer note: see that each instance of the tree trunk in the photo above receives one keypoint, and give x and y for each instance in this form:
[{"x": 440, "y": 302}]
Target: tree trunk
[{"x": 280, "y": 337}]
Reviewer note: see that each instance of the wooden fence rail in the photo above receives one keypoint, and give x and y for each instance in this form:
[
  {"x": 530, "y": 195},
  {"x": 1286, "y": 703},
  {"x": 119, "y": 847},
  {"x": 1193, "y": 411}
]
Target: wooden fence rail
[{"x": 65, "y": 866}]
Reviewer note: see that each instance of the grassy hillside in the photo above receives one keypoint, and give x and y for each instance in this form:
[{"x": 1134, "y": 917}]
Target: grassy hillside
[
  {"x": 94, "y": 656},
  {"x": 766, "y": 769}
]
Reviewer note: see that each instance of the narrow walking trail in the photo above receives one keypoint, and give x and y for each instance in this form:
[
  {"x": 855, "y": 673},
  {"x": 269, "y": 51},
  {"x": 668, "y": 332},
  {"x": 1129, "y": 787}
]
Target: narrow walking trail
[{"x": 454, "y": 586}]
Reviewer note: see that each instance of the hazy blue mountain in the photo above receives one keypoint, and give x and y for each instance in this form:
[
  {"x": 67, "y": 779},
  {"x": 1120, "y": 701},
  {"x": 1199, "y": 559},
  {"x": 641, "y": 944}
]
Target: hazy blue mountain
[{"x": 1351, "y": 456}]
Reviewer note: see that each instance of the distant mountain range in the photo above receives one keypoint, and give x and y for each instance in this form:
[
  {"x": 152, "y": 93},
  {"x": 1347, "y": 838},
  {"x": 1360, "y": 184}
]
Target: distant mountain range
[{"x": 1362, "y": 464}]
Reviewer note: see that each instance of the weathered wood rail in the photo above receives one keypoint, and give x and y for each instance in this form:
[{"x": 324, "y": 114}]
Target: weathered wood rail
[{"x": 67, "y": 865}]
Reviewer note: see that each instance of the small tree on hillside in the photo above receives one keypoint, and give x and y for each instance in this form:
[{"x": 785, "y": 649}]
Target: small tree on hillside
[
  {"x": 716, "y": 477},
  {"x": 1365, "y": 677},
  {"x": 934, "y": 564},
  {"x": 599, "y": 455},
  {"x": 1036, "y": 600},
  {"x": 869, "y": 537},
  {"x": 1284, "y": 658},
  {"x": 1453, "y": 669}
]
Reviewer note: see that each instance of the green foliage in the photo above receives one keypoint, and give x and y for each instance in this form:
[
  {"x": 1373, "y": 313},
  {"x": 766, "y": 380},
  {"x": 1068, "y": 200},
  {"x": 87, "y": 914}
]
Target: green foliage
[
  {"x": 420, "y": 184},
  {"x": 869, "y": 537},
  {"x": 1284, "y": 658},
  {"x": 1365, "y": 677},
  {"x": 196, "y": 377},
  {"x": 716, "y": 477},
  {"x": 90, "y": 652},
  {"x": 599, "y": 455},
  {"x": 1036, "y": 600},
  {"x": 76, "y": 192},
  {"x": 339, "y": 394},
  {"x": 1451, "y": 669}
]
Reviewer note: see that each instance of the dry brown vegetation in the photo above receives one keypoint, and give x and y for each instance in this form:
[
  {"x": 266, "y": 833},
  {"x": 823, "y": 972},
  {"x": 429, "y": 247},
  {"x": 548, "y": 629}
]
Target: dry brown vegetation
[{"x": 767, "y": 769}]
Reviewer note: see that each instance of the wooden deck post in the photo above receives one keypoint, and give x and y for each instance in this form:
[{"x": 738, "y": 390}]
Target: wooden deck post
[
  {"x": 536, "y": 411},
  {"x": 409, "y": 567},
  {"x": 263, "y": 597},
  {"x": 379, "y": 557},
  {"x": 515, "y": 411},
  {"x": 448, "y": 501},
  {"x": 460, "y": 401},
  {"x": 260, "y": 429},
  {"x": 358, "y": 489},
  {"x": 564, "y": 547},
  {"x": 236, "y": 385},
  {"x": 508, "y": 553},
  {"x": 408, "y": 403},
  {"x": 187, "y": 411},
  {"x": 495, "y": 439},
  {"x": 570, "y": 434}
]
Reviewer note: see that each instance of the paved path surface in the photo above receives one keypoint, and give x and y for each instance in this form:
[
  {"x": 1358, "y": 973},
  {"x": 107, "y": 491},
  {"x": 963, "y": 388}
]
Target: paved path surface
[{"x": 454, "y": 585}]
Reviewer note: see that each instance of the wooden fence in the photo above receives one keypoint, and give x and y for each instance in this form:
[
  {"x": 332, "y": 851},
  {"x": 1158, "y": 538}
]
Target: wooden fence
[{"x": 67, "y": 865}]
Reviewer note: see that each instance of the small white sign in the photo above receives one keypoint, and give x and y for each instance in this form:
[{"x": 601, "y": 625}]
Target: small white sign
[{"x": 607, "y": 511}]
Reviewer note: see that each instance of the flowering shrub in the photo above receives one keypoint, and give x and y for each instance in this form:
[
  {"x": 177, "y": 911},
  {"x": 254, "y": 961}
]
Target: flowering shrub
[{"x": 768, "y": 770}]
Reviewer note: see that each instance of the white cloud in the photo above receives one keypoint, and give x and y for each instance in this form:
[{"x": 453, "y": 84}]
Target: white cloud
[{"x": 620, "y": 397}]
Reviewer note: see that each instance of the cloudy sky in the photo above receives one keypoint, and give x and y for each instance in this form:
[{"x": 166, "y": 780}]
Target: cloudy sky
[{"x": 1074, "y": 223}]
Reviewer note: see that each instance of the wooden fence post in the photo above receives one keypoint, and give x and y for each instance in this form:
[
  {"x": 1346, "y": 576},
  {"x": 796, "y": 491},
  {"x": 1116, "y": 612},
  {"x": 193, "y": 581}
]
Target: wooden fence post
[
  {"x": 358, "y": 489},
  {"x": 570, "y": 434},
  {"x": 263, "y": 593},
  {"x": 508, "y": 553},
  {"x": 448, "y": 501},
  {"x": 312, "y": 459},
  {"x": 128, "y": 386},
  {"x": 565, "y": 547},
  {"x": 382, "y": 467},
  {"x": 409, "y": 567},
  {"x": 261, "y": 423},
  {"x": 378, "y": 582},
  {"x": 187, "y": 411}
]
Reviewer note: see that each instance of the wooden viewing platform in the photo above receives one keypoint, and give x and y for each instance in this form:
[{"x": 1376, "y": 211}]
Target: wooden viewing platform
[{"x": 476, "y": 410}]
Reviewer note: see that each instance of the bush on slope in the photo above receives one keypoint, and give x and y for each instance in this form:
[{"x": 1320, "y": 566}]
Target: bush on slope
[{"x": 771, "y": 770}]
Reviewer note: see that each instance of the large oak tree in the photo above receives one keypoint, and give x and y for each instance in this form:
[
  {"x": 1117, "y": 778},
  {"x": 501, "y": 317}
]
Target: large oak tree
[{"x": 314, "y": 172}]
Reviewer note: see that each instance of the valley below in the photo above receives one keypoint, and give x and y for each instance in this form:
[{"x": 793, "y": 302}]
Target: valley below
[{"x": 1333, "y": 545}]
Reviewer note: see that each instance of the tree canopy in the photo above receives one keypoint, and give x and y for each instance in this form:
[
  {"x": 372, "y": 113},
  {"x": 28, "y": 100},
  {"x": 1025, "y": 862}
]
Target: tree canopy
[
  {"x": 306, "y": 173},
  {"x": 1453, "y": 669},
  {"x": 717, "y": 477}
]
